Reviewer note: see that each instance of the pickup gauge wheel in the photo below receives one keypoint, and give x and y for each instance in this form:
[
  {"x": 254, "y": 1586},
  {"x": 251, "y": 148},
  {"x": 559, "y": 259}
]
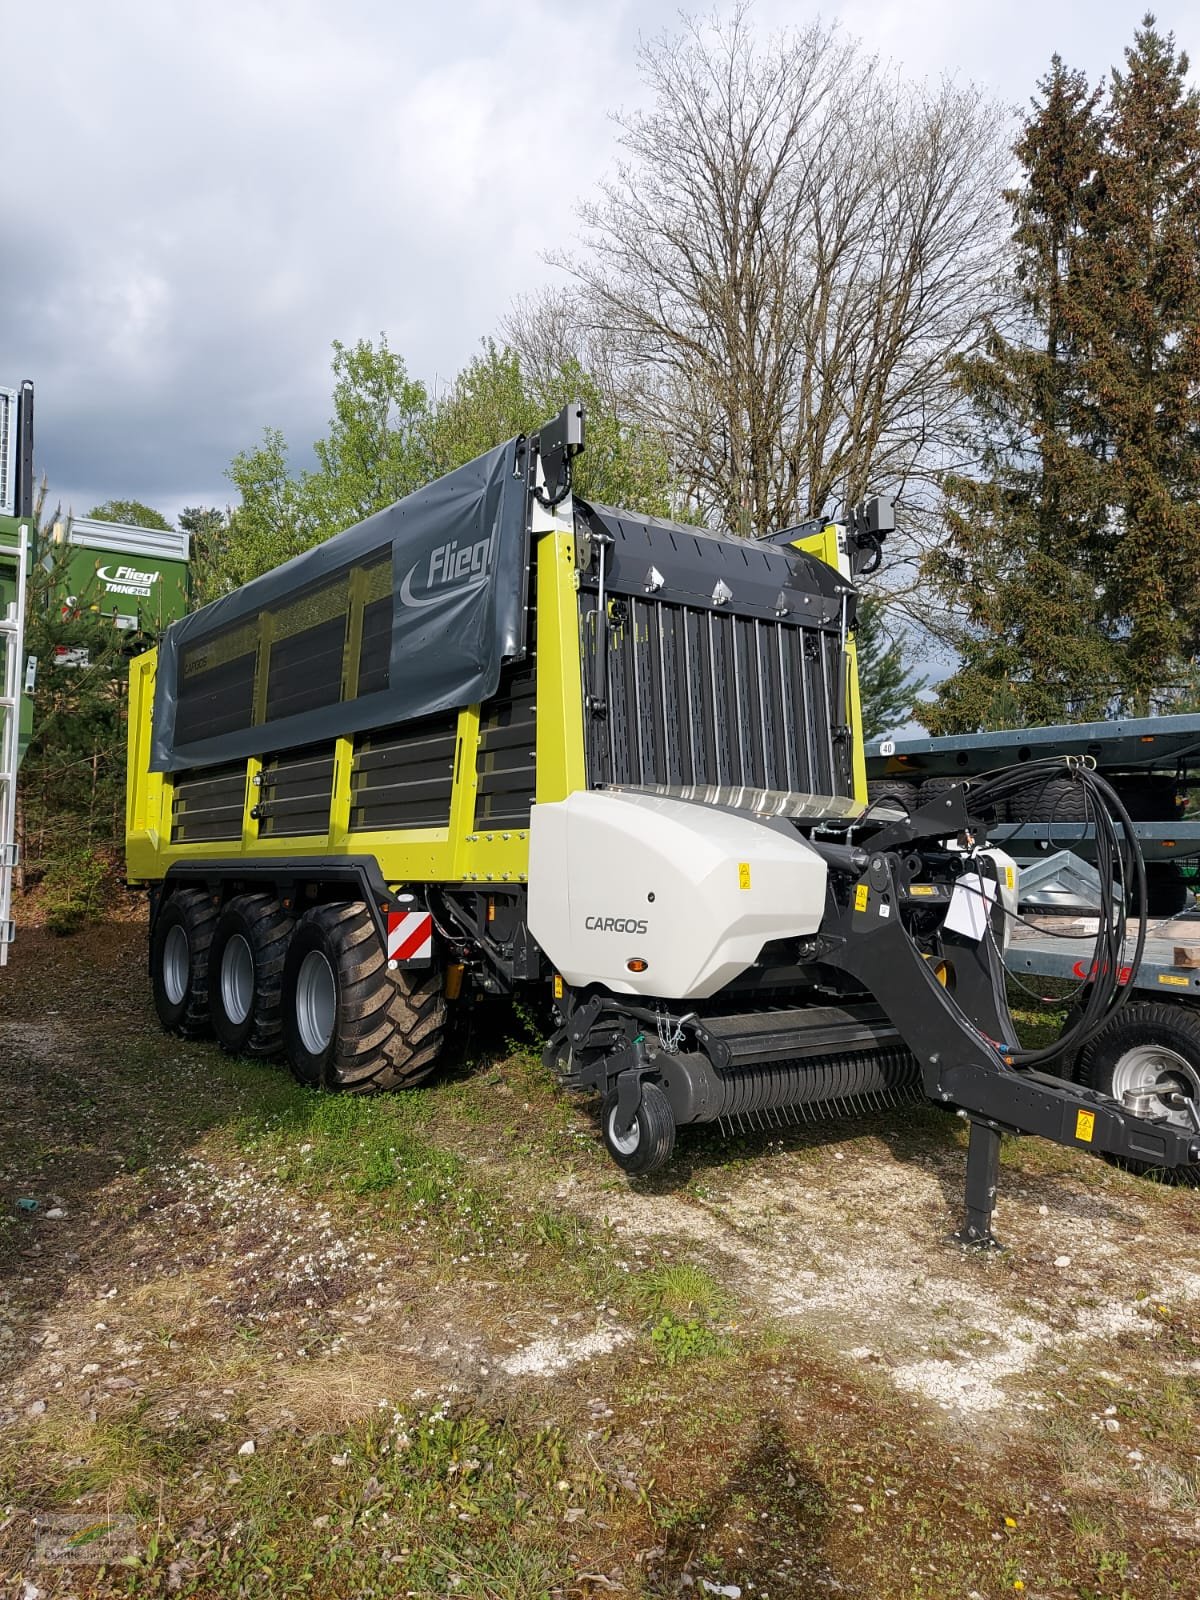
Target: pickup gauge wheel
[
  {"x": 246, "y": 975},
  {"x": 348, "y": 1023},
  {"x": 179, "y": 961},
  {"x": 1151, "y": 1052},
  {"x": 648, "y": 1144}
]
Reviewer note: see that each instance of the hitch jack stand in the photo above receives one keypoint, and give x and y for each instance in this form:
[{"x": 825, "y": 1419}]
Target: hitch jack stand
[{"x": 983, "y": 1176}]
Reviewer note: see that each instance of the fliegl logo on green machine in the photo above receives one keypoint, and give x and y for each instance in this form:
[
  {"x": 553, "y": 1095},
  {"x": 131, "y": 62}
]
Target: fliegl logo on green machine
[{"x": 128, "y": 580}]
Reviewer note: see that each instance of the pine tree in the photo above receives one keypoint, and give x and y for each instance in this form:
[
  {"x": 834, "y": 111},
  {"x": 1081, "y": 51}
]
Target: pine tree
[
  {"x": 1137, "y": 321},
  {"x": 887, "y": 688},
  {"x": 1021, "y": 533}
]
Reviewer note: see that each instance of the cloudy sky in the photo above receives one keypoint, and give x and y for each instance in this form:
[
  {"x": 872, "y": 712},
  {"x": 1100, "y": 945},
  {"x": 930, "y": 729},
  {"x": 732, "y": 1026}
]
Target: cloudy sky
[{"x": 199, "y": 195}]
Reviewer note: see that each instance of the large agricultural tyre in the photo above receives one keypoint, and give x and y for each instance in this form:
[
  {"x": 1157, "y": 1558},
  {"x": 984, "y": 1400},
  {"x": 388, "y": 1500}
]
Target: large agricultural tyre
[
  {"x": 1154, "y": 1050},
  {"x": 648, "y": 1145},
  {"x": 348, "y": 1023},
  {"x": 245, "y": 965},
  {"x": 179, "y": 949}
]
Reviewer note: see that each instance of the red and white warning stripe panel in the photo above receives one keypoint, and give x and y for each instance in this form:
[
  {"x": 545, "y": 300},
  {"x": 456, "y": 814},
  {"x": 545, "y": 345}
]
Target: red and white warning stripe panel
[{"x": 410, "y": 937}]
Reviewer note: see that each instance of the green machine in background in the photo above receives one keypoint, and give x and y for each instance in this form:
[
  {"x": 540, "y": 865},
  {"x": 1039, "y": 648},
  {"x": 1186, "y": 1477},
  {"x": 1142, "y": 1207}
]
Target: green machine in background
[{"x": 136, "y": 576}]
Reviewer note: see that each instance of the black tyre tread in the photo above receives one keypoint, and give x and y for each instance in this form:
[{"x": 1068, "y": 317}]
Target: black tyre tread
[
  {"x": 270, "y": 930},
  {"x": 1098, "y": 1058},
  {"x": 1167, "y": 892},
  {"x": 891, "y": 788},
  {"x": 1055, "y": 800},
  {"x": 386, "y": 1042},
  {"x": 932, "y": 787},
  {"x": 656, "y": 1127},
  {"x": 417, "y": 1011},
  {"x": 1152, "y": 799},
  {"x": 200, "y": 915}
]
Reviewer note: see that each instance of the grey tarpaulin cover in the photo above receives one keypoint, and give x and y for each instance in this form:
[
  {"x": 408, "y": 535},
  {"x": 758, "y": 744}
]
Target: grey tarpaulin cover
[{"x": 408, "y": 613}]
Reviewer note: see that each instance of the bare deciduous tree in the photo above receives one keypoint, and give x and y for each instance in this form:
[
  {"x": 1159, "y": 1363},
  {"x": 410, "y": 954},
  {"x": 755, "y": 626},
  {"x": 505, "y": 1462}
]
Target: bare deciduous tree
[{"x": 792, "y": 248}]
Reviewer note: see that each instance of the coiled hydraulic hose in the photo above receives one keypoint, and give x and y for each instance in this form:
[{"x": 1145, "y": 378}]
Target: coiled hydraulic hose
[{"x": 1122, "y": 878}]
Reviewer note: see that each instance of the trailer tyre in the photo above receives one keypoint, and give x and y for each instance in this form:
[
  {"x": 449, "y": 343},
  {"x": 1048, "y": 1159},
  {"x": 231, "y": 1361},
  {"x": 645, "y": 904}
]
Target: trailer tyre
[
  {"x": 648, "y": 1145},
  {"x": 898, "y": 789},
  {"x": 246, "y": 975},
  {"x": 349, "y": 1024},
  {"x": 1155, "y": 1049},
  {"x": 179, "y": 952}
]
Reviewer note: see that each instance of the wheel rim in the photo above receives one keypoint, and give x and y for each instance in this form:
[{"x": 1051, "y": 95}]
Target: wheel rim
[
  {"x": 237, "y": 979},
  {"x": 176, "y": 964},
  {"x": 1156, "y": 1070},
  {"x": 626, "y": 1143},
  {"x": 316, "y": 1002}
]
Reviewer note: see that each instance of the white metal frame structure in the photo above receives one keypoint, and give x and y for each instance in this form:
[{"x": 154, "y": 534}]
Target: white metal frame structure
[{"x": 12, "y": 632}]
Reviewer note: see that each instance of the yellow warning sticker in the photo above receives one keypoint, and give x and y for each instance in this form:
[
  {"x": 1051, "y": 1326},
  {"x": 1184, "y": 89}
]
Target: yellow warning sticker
[
  {"x": 1085, "y": 1126},
  {"x": 861, "y": 894},
  {"x": 922, "y": 888},
  {"x": 558, "y": 986},
  {"x": 743, "y": 874},
  {"x": 1173, "y": 980},
  {"x": 1010, "y": 877}
]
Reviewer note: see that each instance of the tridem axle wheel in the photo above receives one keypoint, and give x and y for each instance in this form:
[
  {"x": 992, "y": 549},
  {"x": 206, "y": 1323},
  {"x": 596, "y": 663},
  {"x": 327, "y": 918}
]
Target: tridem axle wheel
[
  {"x": 179, "y": 951},
  {"x": 348, "y": 1023},
  {"x": 1151, "y": 1052},
  {"x": 245, "y": 967},
  {"x": 650, "y": 1140}
]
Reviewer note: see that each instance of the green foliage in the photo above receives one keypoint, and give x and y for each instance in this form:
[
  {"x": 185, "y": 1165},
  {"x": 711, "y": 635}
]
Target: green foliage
[
  {"x": 76, "y": 881},
  {"x": 375, "y": 452},
  {"x": 387, "y": 438},
  {"x": 494, "y": 398},
  {"x": 678, "y": 1289},
  {"x": 209, "y": 558},
  {"x": 131, "y": 512},
  {"x": 1074, "y": 553},
  {"x": 887, "y": 689},
  {"x": 684, "y": 1339},
  {"x": 73, "y": 776}
]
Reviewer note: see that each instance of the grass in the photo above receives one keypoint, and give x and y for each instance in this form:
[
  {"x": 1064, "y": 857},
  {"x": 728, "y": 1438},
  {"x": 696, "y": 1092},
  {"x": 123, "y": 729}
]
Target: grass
[{"x": 711, "y": 1443}]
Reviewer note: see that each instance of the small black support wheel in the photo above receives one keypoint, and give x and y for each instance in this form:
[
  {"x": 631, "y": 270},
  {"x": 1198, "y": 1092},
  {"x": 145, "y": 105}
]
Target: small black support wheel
[
  {"x": 246, "y": 975},
  {"x": 348, "y": 1023},
  {"x": 648, "y": 1145},
  {"x": 1152, "y": 1051},
  {"x": 179, "y": 949}
]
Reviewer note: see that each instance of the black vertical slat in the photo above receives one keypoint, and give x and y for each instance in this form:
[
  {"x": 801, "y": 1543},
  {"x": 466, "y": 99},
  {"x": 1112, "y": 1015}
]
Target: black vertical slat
[
  {"x": 643, "y": 737},
  {"x": 701, "y": 704},
  {"x": 749, "y": 711},
  {"x": 668, "y": 681},
  {"x": 787, "y": 692},
  {"x": 771, "y": 705}
]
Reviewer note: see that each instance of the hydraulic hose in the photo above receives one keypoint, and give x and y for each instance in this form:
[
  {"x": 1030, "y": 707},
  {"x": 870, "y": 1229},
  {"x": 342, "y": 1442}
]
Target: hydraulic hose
[{"x": 1118, "y": 862}]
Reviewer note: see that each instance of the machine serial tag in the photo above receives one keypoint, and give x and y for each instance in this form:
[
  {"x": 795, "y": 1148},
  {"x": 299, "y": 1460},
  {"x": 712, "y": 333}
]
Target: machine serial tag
[
  {"x": 743, "y": 874},
  {"x": 861, "y": 893},
  {"x": 1085, "y": 1126}
]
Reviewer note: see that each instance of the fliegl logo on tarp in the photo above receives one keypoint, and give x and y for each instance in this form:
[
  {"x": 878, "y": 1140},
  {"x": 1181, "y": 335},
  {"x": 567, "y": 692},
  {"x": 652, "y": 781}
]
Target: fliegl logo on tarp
[
  {"x": 450, "y": 567},
  {"x": 128, "y": 580}
]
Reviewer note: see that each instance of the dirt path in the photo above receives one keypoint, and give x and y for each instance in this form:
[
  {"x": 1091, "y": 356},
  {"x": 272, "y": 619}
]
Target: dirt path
[{"x": 240, "y": 1316}]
